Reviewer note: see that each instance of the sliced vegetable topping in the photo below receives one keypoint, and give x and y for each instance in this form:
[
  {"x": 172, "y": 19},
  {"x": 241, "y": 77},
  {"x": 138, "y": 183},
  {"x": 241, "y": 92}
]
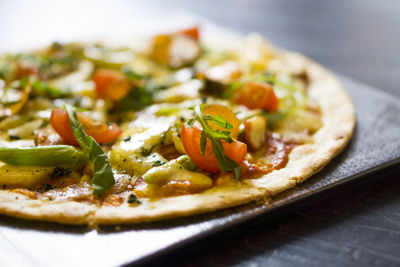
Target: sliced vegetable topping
[
  {"x": 43, "y": 156},
  {"x": 212, "y": 150},
  {"x": 192, "y": 32},
  {"x": 14, "y": 97},
  {"x": 177, "y": 49},
  {"x": 111, "y": 84},
  {"x": 227, "y": 114},
  {"x": 255, "y": 131},
  {"x": 101, "y": 132},
  {"x": 255, "y": 95},
  {"x": 103, "y": 177}
]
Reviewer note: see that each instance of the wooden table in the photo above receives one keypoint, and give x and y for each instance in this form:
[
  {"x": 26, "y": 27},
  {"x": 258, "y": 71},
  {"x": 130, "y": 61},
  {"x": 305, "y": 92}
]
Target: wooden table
[{"x": 353, "y": 224}]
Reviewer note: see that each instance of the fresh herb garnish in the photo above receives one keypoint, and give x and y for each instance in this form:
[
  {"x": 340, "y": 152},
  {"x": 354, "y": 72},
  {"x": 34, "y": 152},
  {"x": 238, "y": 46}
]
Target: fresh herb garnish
[
  {"x": 103, "y": 177},
  {"x": 59, "y": 172},
  {"x": 14, "y": 137},
  {"x": 137, "y": 98},
  {"x": 47, "y": 187},
  {"x": 127, "y": 139},
  {"x": 132, "y": 199},
  {"x": 216, "y": 137}
]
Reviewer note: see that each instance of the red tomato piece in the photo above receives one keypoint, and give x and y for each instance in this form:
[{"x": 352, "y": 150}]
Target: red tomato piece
[
  {"x": 111, "y": 84},
  {"x": 191, "y": 142},
  {"x": 191, "y": 32},
  {"x": 256, "y": 95},
  {"x": 101, "y": 132}
]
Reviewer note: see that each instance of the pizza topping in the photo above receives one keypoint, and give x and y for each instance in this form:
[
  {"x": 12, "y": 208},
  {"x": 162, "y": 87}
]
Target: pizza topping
[
  {"x": 105, "y": 57},
  {"x": 103, "y": 177},
  {"x": 101, "y": 132},
  {"x": 225, "y": 113},
  {"x": 186, "y": 162},
  {"x": 47, "y": 136},
  {"x": 274, "y": 155},
  {"x": 34, "y": 156},
  {"x": 140, "y": 96},
  {"x": 23, "y": 175},
  {"x": 13, "y": 97},
  {"x": 256, "y": 95},
  {"x": 175, "y": 50},
  {"x": 212, "y": 150},
  {"x": 172, "y": 179},
  {"x": 192, "y": 32},
  {"x": 59, "y": 172},
  {"x": 111, "y": 84},
  {"x": 254, "y": 129},
  {"x": 132, "y": 199},
  {"x": 224, "y": 73}
]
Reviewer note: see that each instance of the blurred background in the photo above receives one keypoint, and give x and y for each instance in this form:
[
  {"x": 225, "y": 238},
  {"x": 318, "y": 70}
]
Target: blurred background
[{"x": 359, "y": 38}]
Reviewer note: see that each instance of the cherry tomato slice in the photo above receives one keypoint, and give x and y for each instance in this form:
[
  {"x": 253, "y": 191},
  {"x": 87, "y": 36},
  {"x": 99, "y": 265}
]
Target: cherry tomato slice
[
  {"x": 111, "y": 84},
  {"x": 227, "y": 114},
  {"x": 191, "y": 142},
  {"x": 191, "y": 32},
  {"x": 256, "y": 95},
  {"x": 101, "y": 132}
]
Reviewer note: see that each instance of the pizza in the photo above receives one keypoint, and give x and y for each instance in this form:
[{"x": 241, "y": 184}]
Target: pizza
[{"x": 161, "y": 126}]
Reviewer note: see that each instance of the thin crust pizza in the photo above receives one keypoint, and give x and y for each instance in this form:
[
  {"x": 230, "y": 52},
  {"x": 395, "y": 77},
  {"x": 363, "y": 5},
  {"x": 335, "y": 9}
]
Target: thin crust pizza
[{"x": 164, "y": 126}]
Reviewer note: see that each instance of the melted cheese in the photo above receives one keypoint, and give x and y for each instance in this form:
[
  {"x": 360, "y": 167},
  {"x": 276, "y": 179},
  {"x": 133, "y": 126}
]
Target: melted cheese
[{"x": 145, "y": 132}]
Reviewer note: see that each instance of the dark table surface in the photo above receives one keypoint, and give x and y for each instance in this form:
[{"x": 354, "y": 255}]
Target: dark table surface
[{"x": 354, "y": 224}]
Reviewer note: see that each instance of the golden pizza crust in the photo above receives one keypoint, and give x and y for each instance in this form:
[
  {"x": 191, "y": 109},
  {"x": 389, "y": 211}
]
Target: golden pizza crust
[{"x": 338, "y": 119}]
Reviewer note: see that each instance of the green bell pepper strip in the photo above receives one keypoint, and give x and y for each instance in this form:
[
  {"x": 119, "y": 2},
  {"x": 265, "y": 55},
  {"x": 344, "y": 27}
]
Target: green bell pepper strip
[{"x": 43, "y": 156}]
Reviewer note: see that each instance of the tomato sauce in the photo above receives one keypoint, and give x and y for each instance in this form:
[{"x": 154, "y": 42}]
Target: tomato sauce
[{"x": 276, "y": 152}]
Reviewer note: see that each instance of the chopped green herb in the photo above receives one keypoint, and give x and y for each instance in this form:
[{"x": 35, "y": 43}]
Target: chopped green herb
[
  {"x": 132, "y": 199},
  {"x": 59, "y": 172},
  {"x": 137, "y": 98},
  {"x": 47, "y": 187},
  {"x": 127, "y": 139},
  {"x": 14, "y": 137}
]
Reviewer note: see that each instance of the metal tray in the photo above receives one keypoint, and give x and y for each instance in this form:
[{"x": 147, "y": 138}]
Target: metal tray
[{"x": 375, "y": 145}]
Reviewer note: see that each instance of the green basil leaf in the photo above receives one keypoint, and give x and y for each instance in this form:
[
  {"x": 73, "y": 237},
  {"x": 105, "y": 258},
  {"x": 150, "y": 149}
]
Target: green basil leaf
[{"x": 103, "y": 177}]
